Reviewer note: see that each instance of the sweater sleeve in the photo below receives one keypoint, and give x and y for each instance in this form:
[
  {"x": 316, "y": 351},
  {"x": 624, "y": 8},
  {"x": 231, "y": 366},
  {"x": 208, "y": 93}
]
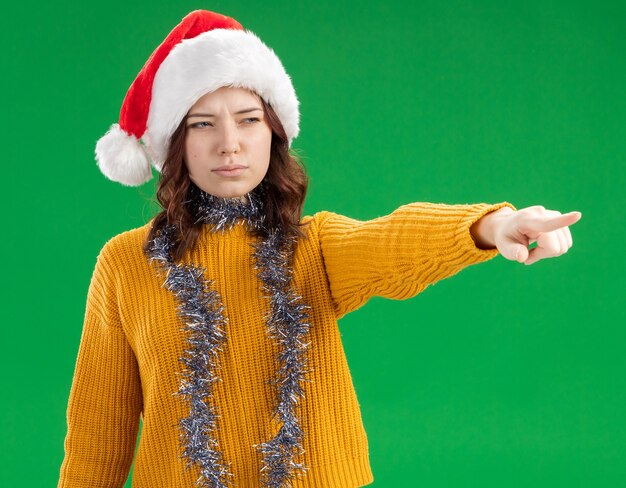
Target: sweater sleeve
[
  {"x": 105, "y": 400},
  {"x": 398, "y": 255}
]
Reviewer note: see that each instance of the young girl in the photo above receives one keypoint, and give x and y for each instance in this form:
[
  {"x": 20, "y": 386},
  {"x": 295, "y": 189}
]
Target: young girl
[{"x": 216, "y": 322}]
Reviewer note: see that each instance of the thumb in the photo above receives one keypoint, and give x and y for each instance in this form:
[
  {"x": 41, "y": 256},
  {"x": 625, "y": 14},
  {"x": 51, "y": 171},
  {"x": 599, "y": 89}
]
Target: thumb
[{"x": 516, "y": 252}]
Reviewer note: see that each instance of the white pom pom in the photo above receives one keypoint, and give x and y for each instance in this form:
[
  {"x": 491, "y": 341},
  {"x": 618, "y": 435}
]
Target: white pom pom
[{"x": 122, "y": 158}]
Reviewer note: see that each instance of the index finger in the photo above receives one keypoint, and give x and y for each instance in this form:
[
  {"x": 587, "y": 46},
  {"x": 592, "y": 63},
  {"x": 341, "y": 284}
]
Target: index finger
[{"x": 553, "y": 223}]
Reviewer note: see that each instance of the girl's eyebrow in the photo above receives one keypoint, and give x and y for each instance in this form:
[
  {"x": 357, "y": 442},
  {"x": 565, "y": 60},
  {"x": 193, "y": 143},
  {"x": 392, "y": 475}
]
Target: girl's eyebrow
[{"x": 244, "y": 111}]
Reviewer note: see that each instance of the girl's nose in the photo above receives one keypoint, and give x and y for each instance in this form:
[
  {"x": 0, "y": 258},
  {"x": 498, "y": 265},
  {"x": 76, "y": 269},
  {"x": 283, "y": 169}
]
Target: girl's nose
[{"x": 229, "y": 138}]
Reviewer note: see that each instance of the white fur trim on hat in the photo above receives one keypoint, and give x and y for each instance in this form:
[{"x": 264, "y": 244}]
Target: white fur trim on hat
[{"x": 217, "y": 58}]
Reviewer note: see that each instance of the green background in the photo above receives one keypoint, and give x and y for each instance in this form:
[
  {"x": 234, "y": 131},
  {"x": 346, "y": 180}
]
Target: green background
[{"x": 503, "y": 375}]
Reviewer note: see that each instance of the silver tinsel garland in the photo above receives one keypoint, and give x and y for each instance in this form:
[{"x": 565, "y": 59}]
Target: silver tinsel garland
[{"x": 201, "y": 310}]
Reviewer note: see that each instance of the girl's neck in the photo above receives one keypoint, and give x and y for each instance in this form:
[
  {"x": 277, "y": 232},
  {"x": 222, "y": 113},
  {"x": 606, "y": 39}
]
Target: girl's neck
[{"x": 224, "y": 212}]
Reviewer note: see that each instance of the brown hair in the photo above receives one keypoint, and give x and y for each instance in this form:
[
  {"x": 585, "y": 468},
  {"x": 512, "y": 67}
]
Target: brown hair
[{"x": 285, "y": 184}]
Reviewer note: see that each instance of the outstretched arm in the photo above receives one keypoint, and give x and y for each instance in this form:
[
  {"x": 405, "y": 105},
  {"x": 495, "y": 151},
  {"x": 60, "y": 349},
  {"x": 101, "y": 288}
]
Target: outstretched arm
[{"x": 398, "y": 255}]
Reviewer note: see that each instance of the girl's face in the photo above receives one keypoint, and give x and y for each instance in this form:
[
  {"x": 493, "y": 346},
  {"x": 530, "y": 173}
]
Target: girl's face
[{"x": 227, "y": 128}]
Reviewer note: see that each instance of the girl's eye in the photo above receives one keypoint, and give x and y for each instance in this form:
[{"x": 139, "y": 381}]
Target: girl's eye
[
  {"x": 202, "y": 124},
  {"x": 199, "y": 124}
]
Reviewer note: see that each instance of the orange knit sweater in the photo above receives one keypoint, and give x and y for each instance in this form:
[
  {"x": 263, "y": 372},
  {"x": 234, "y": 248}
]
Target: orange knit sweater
[{"x": 128, "y": 358}]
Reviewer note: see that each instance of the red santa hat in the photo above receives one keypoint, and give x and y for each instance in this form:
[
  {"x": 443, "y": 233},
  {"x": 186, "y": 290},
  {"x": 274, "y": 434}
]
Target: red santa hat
[{"x": 204, "y": 52}]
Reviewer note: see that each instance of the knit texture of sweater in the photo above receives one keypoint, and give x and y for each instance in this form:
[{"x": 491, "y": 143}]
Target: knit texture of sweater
[{"x": 128, "y": 365}]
